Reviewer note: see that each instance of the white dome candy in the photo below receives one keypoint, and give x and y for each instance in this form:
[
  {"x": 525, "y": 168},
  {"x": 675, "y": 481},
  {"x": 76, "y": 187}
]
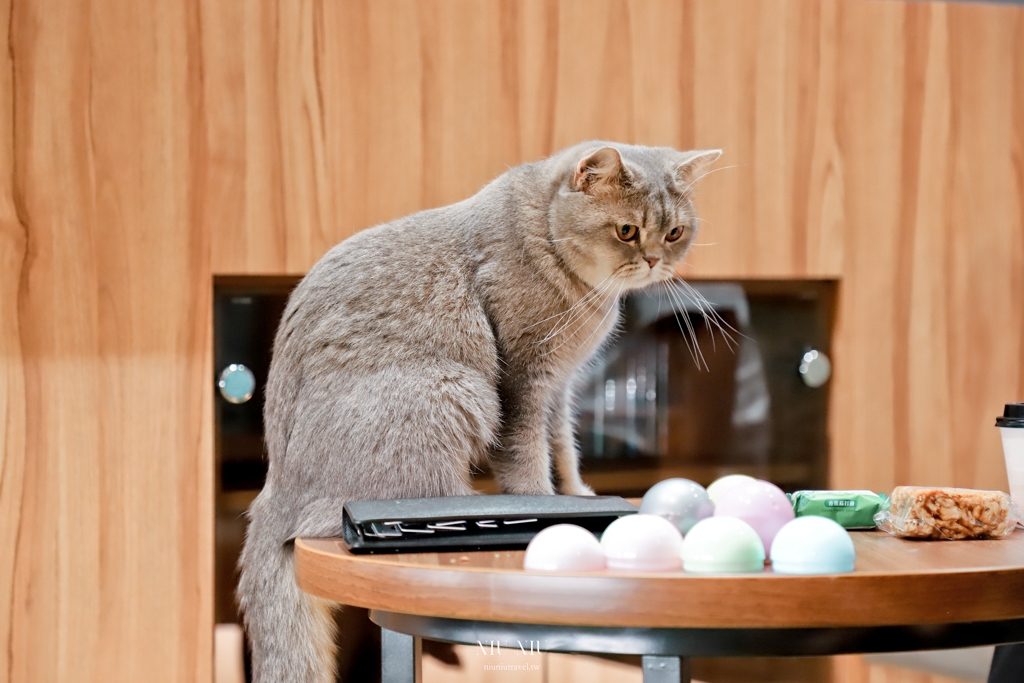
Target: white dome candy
[
  {"x": 722, "y": 484},
  {"x": 564, "y": 548}
]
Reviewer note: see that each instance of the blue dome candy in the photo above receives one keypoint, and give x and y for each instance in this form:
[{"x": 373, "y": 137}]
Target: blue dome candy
[{"x": 813, "y": 545}]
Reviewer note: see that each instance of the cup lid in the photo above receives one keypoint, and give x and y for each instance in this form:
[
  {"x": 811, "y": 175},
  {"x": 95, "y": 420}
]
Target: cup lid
[{"x": 1013, "y": 416}]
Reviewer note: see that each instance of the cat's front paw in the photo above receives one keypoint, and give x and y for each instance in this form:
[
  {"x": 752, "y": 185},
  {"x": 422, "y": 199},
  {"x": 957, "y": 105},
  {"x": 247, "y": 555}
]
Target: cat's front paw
[
  {"x": 576, "y": 488},
  {"x": 525, "y": 488}
]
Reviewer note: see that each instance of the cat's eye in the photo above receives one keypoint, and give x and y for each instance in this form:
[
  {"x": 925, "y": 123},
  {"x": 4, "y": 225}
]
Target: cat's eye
[
  {"x": 627, "y": 232},
  {"x": 674, "y": 234}
]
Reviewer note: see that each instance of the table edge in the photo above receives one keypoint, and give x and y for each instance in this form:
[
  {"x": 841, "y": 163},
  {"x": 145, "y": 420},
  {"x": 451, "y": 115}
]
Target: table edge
[{"x": 514, "y": 596}]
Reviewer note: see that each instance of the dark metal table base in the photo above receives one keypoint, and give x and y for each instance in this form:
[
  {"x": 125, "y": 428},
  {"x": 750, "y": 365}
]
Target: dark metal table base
[
  {"x": 401, "y": 659},
  {"x": 664, "y": 649}
]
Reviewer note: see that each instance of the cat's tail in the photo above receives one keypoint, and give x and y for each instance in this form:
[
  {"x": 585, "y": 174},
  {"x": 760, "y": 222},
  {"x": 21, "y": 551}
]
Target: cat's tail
[
  {"x": 291, "y": 633},
  {"x": 284, "y": 381}
]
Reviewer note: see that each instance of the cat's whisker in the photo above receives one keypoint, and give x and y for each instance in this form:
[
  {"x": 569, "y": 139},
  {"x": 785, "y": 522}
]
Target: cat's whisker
[
  {"x": 583, "y": 322},
  {"x": 600, "y": 323},
  {"x": 693, "y": 335},
  {"x": 673, "y": 306},
  {"x": 576, "y": 316},
  {"x": 566, "y": 311},
  {"x": 704, "y": 306},
  {"x": 690, "y": 343},
  {"x": 704, "y": 314},
  {"x": 560, "y": 314},
  {"x": 711, "y": 320},
  {"x": 723, "y": 322},
  {"x": 715, "y": 317},
  {"x": 698, "y": 300},
  {"x": 683, "y": 317},
  {"x": 611, "y": 308},
  {"x": 577, "y": 309},
  {"x": 706, "y": 174}
]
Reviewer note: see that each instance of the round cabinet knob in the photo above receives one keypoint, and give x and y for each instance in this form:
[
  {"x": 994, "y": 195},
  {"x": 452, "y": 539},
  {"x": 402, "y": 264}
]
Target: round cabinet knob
[
  {"x": 815, "y": 368},
  {"x": 236, "y": 383}
]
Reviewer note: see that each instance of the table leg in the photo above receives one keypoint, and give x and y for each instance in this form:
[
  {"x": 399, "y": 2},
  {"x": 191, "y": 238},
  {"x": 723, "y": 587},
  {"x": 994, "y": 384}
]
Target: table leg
[
  {"x": 400, "y": 657},
  {"x": 666, "y": 669}
]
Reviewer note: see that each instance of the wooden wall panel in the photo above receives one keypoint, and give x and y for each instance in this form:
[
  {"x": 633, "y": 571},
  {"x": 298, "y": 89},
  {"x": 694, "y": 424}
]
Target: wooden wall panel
[
  {"x": 12, "y": 374},
  {"x": 868, "y": 136},
  {"x": 875, "y": 142},
  {"x": 109, "y": 572},
  {"x": 145, "y": 148},
  {"x": 985, "y": 235},
  {"x": 929, "y": 344},
  {"x": 422, "y": 103}
]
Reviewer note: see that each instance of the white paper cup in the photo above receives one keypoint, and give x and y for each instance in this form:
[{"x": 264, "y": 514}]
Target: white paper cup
[
  {"x": 1013, "y": 452},
  {"x": 1011, "y": 426}
]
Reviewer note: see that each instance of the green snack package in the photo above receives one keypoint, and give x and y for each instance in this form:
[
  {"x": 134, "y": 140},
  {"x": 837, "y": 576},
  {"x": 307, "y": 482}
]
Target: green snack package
[{"x": 851, "y": 509}]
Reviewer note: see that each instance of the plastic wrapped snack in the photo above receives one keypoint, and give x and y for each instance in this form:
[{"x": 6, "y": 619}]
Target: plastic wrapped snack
[
  {"x": 851, "y": 509},
  {"x": 946, "y": 513}
]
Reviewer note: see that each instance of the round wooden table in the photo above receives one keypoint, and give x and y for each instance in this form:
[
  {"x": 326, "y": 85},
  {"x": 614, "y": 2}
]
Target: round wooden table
[{"x": 904, "y": 595}]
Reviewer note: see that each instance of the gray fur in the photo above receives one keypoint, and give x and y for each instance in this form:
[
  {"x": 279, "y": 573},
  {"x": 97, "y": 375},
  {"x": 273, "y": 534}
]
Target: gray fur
[{"x": 448, "y": 337}]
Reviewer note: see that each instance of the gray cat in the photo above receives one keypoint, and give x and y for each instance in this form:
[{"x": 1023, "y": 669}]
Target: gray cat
[{"x": 449, "y": 337}]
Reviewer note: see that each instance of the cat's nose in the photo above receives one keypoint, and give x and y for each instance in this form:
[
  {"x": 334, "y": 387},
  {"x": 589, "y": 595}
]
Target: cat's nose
[{"x": 652, "y": 260}]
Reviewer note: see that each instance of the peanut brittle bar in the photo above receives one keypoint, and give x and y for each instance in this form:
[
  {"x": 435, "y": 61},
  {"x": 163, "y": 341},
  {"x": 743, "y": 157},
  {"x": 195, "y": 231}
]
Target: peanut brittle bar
[{"x": 949, "y": 513}]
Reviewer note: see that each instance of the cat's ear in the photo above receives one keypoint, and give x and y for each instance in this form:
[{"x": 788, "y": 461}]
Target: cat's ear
[
  {"x": 694, "y": 164},
  {"x": 600, "y": 170}
]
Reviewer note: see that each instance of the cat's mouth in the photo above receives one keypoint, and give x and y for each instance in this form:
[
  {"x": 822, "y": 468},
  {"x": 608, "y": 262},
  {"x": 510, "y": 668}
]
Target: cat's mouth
[{"x": 637, "y": 275}]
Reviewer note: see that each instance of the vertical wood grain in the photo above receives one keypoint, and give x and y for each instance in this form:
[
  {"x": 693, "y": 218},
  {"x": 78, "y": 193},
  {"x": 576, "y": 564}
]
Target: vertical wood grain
[
  {"x": 112, "y": 561},
  {"x": 983, "y": 238},
  {"x": 868, "y": 68},
  {"x": 1017, "y": 152},
  {"x": 144, "y": 148},
  {"x": 932, "y": 247},
  {"x": 920, "y": 342},
  {"x": 13, "y": 244}
]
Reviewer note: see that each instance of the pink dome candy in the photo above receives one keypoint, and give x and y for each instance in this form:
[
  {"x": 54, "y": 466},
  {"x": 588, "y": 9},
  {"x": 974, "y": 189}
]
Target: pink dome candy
[
  {"x": 761, "y": 505},
  {"x": 643, "y": 543}
]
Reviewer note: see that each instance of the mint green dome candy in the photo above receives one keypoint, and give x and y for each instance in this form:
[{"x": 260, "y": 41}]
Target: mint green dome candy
[{"x": 722, "y": 545}]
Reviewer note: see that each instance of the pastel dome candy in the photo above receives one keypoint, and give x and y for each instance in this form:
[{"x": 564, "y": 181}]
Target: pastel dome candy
[
  {"x": 564, "y": 548},
  {"x": 761, "y": 505},
  {"x": 680, "y": 501},
  {"x": 645, "y": 543},
  {"x": 722, "y": 484},
  {"x": 722, "y": 545},
  {"x": 813, "y": 545}
]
